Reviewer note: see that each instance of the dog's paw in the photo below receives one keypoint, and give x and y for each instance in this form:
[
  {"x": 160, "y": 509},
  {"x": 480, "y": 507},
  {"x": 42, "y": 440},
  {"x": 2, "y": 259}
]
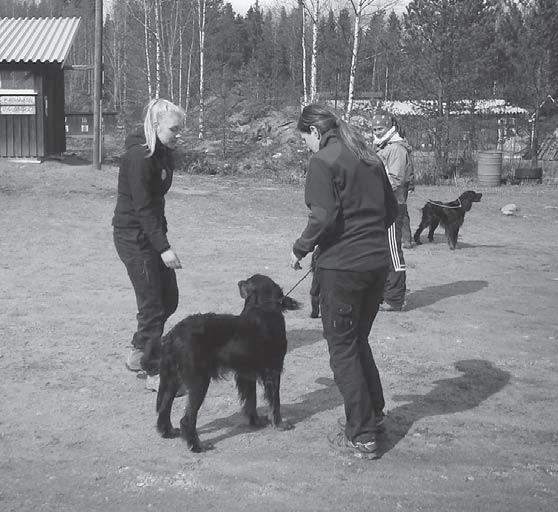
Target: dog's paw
[
  {"x": 284, "y": 425},
  {"x": 170, "y": 433},
  {"x": 259, "y": 422},
  {"x": 202, "y": 447}
]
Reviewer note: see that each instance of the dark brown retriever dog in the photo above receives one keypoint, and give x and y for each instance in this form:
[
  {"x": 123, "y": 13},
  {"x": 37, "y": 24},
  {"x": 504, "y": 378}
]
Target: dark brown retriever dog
[
  {"x": 450, "y": 215},
  {"x": 207, "y": 346}
]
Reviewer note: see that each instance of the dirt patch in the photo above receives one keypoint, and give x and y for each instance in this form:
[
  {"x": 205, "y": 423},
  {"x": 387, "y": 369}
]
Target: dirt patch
[{"x": 469, "y": 369}]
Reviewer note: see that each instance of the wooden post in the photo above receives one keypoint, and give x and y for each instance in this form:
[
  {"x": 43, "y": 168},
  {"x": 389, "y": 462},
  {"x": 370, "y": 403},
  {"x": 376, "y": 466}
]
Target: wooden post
[{"x": 97, "y": 91}]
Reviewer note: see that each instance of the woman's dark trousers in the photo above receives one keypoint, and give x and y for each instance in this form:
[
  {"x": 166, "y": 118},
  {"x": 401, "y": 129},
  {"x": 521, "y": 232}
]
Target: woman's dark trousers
[
  {"x": 155, "y": 288},
  {"x": 349, "y": 302}
]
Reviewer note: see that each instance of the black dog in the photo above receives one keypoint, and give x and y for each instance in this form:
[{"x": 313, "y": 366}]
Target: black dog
[
  {"x": 450, "y": 215},
  {"x": 205, "y": 346}
]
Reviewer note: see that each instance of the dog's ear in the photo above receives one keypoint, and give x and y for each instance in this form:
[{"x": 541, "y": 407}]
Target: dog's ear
[
  {"x": 245, "y": 288},
  {"x": 288, "y": 303}
]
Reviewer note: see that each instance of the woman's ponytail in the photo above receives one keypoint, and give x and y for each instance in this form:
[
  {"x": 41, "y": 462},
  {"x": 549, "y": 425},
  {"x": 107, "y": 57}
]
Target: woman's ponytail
[{"x": 324, "y": 120}]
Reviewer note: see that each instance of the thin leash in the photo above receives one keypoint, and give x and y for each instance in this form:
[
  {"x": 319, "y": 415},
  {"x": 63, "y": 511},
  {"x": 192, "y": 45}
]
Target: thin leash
[
  {"x": 438, "y": 203},
  {"x": 299, "y": 281}
]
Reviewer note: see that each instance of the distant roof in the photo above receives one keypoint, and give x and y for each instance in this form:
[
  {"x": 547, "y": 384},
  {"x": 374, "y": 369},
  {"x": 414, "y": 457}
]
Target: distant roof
[
  {"x": 44, "y": 40},
  {"x": 548, "y": 148},
  {"x": 463, "y": 107}
]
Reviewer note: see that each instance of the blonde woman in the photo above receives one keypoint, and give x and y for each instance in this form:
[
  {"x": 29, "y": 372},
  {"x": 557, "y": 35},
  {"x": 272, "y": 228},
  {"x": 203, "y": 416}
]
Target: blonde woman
[{"x": 140, "y": 229}]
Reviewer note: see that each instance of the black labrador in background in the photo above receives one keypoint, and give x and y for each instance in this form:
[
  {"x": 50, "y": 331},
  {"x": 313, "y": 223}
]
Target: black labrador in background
[
  {"x": 207, "y": 346},
  {"x": 450, "y": 215}
]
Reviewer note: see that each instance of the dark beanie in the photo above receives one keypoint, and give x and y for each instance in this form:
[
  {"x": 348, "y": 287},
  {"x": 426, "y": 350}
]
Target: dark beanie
[{"x": 381, "y": 118}]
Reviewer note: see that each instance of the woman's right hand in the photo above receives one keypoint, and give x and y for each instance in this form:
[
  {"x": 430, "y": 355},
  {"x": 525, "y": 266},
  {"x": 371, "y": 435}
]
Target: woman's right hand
[
  {"x": 295, "y": 262},
  {"x": 170, "y": 259}
]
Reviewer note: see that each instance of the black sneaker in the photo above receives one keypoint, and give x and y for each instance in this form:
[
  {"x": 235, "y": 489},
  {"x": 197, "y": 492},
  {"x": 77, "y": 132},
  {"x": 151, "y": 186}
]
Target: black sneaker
[
  {"x": 361, "y": 450},
  {"x": 380, "y": 422}
]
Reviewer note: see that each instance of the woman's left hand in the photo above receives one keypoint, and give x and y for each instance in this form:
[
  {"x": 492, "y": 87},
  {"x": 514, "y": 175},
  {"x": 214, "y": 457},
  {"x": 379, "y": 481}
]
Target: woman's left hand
[{"x": 295, "y": 262}]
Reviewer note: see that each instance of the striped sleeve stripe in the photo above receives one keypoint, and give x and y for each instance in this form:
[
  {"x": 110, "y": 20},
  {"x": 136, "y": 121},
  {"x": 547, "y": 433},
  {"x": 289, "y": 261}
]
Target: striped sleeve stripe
[{"x": 397, "y": 265}]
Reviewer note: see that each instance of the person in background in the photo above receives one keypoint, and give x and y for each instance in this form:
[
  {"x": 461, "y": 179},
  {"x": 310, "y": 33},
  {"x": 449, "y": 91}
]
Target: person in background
[
  {"x": 395, "y": 153},
  {"x": 351, "y": 205},
  {"x": 140, "y": 230},
  {"x": 407, "y": 241}
]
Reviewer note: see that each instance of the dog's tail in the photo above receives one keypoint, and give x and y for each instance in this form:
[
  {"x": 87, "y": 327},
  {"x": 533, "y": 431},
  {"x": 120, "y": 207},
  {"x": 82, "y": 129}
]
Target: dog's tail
[{"x": 289, "y": 303}]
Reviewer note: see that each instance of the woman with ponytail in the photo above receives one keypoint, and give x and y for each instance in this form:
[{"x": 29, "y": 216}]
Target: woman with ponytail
[
  {"x": 351, "y": 205},
  {"x": 140, "y": 229}
]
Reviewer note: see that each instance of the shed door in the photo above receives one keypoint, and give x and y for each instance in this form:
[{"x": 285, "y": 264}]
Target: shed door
[{"x": 19, "y": 114}]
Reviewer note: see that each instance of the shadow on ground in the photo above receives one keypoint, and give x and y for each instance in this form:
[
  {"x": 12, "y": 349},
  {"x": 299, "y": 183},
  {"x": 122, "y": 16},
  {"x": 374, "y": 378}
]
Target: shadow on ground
[
  {"x": 433, "y": 294},
  {"x": 302, "y": 337},
  {"x": 69, "y": 159},
  {"x": 480, "y": 380},
  {"x": 312, "y": 403}
]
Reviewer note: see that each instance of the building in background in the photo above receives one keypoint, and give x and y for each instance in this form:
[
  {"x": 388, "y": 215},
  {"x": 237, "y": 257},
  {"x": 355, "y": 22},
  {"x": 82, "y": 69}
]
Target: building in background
[{"x": 32, "y": 56}]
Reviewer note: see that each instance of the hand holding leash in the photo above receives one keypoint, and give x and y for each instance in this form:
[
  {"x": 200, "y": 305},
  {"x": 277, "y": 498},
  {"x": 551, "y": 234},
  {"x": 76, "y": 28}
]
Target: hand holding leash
[{"x": 295, "y": 262}]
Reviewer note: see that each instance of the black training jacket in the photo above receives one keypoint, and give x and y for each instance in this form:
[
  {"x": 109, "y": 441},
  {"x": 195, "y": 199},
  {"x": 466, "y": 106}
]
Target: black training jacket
[
  {"x": 142, "y": 185},
  {"x": 351, "y": 206}
]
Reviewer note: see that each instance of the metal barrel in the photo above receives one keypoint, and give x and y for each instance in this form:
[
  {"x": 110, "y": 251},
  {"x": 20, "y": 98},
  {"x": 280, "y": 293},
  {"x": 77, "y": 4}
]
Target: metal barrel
[{"x": 489, "y": 171}]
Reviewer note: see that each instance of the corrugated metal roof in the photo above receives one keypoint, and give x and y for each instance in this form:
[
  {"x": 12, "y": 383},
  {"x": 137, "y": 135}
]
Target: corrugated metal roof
[
  {"x": 36, "y": 39},
  {"x": 548, "y": 149}
]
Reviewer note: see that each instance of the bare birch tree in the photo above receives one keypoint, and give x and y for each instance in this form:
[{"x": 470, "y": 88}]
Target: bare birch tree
[
  {"x": 157, "y": 48},
  {"x": 310, "y": 8},
  {"x": 146, "y": 42},
  {"x": 201, "y": 32},
  {"x": 302, "y": 7},
  {"x": 314, "y": 61},
  {"x": 360, "y": 8},
  {"x": 189, "y": 72}
]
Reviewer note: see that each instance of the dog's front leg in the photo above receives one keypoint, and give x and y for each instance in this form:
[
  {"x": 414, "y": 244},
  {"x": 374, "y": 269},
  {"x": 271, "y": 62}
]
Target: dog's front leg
[
  {"x": 246, "y": 387},
  {"x": 271, "y": 392},
  {"x": 452, "y": 234}
]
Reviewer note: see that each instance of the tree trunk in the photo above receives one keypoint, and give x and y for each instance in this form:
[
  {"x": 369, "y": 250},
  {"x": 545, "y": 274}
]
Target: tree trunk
[
  {"x": 352, "y": 74},
  {"x": 189, "y": 73},
  {"x": 146, "y": 40},
  {"x": 157, "y": 49},
  {"x": 534, "y": 137},
  {"x": 201, "y": 25},
  {"x": 387, "y": 81},
  {"x": 314, "y": 65},
  {"x": 303, "y": 37},
  {"x": 180, "y": 67}
]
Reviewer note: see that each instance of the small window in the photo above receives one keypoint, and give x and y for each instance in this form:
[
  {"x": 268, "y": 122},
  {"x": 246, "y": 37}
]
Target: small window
[
  {"x": 16, "y": 80},
  {"x": 84, "y": 128}
]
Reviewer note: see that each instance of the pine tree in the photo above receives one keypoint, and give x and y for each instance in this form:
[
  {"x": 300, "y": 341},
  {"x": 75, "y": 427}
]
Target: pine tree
[{"x": 446, "y": 45}]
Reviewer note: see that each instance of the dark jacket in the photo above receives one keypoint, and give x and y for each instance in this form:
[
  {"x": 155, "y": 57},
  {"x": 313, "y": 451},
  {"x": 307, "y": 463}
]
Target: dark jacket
[
  {"x": 351, "y": 206},
  {"x": 142, "y": 185}
]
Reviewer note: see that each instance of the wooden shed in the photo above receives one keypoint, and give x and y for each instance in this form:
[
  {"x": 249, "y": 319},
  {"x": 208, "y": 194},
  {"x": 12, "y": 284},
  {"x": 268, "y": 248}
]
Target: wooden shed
[{"x": 32, "y": 55}]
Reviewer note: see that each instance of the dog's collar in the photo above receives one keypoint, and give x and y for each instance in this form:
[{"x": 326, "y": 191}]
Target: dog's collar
[{"x": 442, "y": 205}]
